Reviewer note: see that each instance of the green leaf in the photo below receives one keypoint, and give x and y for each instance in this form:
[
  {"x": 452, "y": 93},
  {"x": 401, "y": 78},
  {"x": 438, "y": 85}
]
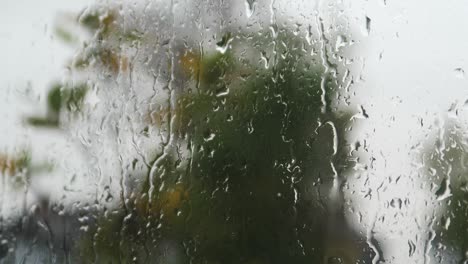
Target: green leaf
[
  {"x": 42, "y": 122},
  {"x": 90, "y": 21},
  {"x": 54, "y": 98},
  {"x": 65, "y": 35}
]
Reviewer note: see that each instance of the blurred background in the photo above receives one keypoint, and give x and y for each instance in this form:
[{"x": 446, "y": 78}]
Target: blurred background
[{"x": 233, "y": 132}]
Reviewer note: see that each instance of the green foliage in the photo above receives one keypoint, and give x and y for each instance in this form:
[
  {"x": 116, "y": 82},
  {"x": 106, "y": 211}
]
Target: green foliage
[
  {"x": 237, "y": 182},
  {"x": 255, "y": 146},
  {"x": 91, "y": 21},
  {"x": 42, "y": 122},
  {"x": 60, "y": 97},
  {"x": 98, "y": 21},
  {"x": 447, "y": 161},
  {"x": 65, "y": 35},
  {"x": 54, "y": 98}
]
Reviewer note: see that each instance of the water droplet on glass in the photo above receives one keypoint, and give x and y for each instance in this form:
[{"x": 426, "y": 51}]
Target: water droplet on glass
[
  {"x": 444, "y": 190},
  {"x": 367, "y": 26},
  {"x": 340, "y": 42},
  {"x": 250, "y": 128},
  {"x": 446, "y": 222},
  {"x": 459, "y": 73},
  {"x": 362, "y": 114},
  {"x": 250, "y": 7},
  {"x": 223, "y": 45},
  {"x": 209, "y": 136},
  {"x": 412, "y": 248},
  {"x": 396, "y": 203}
]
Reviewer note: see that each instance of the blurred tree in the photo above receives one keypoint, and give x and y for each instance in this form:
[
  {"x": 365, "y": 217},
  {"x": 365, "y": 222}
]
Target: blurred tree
[
  {"x": 445, "y": 165},
  {"x": 253, "y": 151}
]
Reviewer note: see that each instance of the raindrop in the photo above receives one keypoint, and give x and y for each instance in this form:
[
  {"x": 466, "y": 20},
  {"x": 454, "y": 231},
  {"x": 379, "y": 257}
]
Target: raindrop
[
  {"x": 265, "y": 59},
  {"x": 340, "y": 42},
  {"x": 367, "y": 26},
  {"x": 208, "y": 136},
  {"x": 362, "y": 113},
  {"x": 459, "y": 73},
  {"x": 446, "y": 223},
  {"x": 250, "y": 7},
  {"x": 396, "y": 203},
  {"x": 444, "y": 191},
  {"x": 222, "y": 92},
  {"x": 223, "y": 45},
  {"x": 466, "y": 103},
  {"x": 250, "y": 128},
  {"x": 412, "y": 248}
]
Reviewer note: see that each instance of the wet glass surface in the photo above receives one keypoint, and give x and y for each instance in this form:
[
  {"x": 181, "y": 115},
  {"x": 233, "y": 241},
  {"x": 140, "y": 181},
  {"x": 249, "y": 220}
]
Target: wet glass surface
[{"x": 233, "y": 132}]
